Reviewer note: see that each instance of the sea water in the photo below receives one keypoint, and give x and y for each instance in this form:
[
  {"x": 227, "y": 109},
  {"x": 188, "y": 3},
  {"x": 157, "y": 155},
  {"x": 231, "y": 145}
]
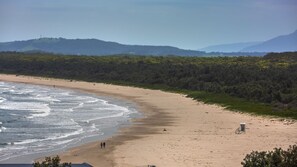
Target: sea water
[{"x": 41, "y": 119}]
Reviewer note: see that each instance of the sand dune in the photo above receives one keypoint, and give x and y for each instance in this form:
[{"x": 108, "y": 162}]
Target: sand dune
[{"x": 196, "y": 134}]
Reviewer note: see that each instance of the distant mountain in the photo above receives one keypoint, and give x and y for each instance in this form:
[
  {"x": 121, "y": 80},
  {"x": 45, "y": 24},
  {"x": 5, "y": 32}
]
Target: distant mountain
[
  {"x": 91, "y": 47},
  {"x": 282, "y": 43},
  {"x": 233, "y": 47}
]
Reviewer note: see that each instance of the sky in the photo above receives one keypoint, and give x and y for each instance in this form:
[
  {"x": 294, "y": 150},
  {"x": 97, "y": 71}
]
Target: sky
[{"x": 187, "y": 24}]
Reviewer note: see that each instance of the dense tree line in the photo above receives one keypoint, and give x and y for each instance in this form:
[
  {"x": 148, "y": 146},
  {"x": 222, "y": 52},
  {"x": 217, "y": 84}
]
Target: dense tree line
[{"x": 271, "y": 79}]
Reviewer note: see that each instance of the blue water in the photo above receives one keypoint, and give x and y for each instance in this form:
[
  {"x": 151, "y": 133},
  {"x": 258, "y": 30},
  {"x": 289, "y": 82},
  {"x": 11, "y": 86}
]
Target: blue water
[{"x": 39, "y": 119}]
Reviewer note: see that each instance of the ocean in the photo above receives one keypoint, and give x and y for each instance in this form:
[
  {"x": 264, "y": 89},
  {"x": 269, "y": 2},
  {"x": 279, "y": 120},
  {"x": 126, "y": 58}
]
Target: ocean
[{"x": 39, "y": 119}]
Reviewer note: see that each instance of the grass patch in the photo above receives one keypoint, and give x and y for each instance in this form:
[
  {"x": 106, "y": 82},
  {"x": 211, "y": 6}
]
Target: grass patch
[{"x": 241, "y": 105}]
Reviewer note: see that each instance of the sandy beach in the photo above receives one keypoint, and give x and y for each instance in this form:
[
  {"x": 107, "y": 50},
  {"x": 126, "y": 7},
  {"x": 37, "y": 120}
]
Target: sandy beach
[{"x": 175, "y": 131}]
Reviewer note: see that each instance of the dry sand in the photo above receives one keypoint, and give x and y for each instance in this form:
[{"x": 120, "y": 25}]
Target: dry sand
[{"x": 196, "y": 134}]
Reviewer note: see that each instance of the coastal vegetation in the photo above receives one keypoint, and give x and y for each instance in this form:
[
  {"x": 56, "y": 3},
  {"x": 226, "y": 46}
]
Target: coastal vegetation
[
  {"x": 259, "y": 85},
  {"x": 276, "y": 158},
  {"x": 51, "y": 162}
]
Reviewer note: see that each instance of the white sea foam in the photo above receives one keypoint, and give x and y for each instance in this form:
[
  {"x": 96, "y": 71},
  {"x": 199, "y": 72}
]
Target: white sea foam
[
  {"x": 28, "y": 141},
  {"x": 71, "y": 109},
  {"x": 57, "y": 137},
  {"x": 94, "y": 100},
  {"x": 104, "y": 101},
  {"x": 64, "y": 142},
  {"x": 2, "y": 129},
  {"x": 2, "y": 99},
  {"x": 37, "y": 109},
  {"x": 93, "y": 126},
  {"x": 72, "y": 120},
  {"x": 64, "y": 110},
  {"x": 80, "y": 105},
  {"x": 11, "y": 90},
  {"x": 114, "y": 108},
  {"x": 105, "y": 117},
  {"x": 22, "y": 91},
  {"x": 77, "y": 132},
  {"x": 40, "y": 112},
  {"x": 45, "y": 98}
]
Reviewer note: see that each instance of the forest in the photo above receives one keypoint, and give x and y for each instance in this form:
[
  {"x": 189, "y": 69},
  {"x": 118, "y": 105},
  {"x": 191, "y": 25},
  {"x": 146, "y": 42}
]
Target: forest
[{"x": 263, "y": 85}]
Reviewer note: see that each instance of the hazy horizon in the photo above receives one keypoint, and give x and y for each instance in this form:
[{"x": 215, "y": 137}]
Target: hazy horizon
[{"x": 187, "y": 24}]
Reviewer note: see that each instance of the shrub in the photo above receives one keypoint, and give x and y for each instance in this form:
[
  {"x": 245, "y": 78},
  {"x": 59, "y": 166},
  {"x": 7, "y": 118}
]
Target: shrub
[
  {"x": 276, "y": 158},
  {"x": 51, "y": 162}
]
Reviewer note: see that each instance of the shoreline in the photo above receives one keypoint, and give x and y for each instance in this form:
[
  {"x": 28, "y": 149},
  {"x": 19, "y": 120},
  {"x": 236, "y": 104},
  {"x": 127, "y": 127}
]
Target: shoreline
[
  {"x": 122, "y": 134},
  {"x": 196, "y": 134},
  {"x": 104, "y": 133}
]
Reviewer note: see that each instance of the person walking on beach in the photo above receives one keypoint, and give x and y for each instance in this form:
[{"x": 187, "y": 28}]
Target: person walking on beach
[{"x": 101, "y": 144}]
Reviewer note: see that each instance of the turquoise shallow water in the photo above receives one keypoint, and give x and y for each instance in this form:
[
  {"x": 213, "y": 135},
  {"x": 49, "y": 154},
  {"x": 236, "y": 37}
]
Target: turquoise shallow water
[{"x": 37, "y": 119}]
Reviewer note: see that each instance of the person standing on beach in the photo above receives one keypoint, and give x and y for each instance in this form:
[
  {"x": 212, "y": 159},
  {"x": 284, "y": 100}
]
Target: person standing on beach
[{"x": 103, "y": 144}]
